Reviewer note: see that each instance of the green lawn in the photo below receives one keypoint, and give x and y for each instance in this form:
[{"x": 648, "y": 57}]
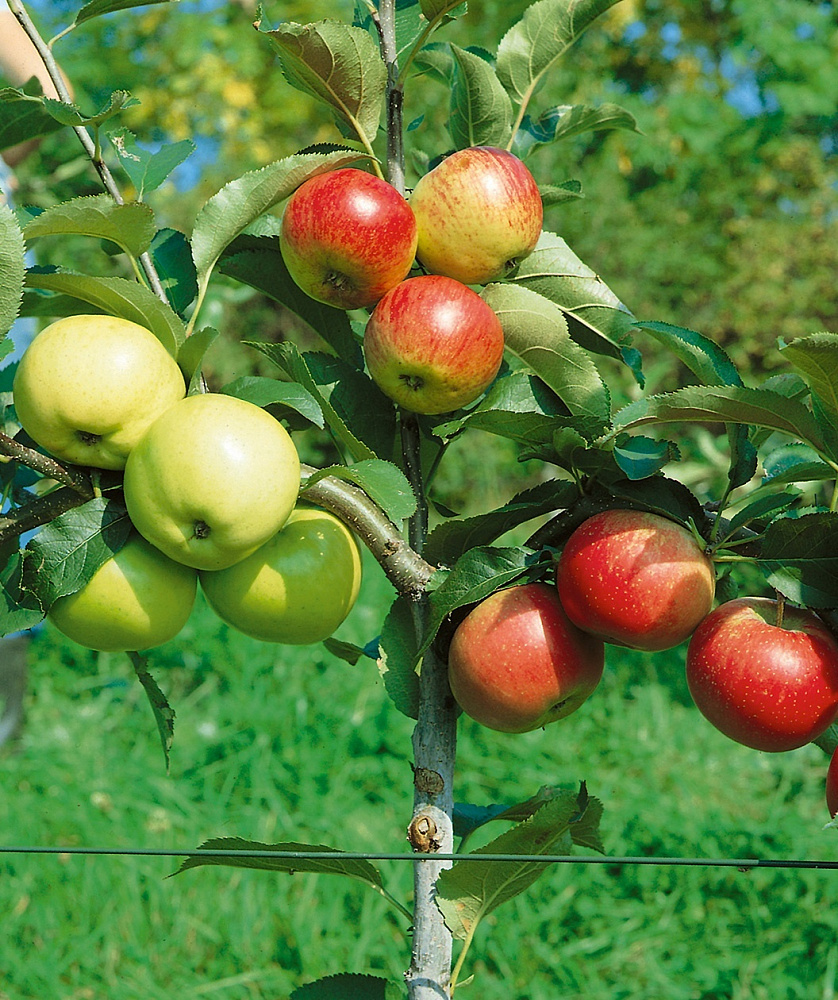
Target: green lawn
[{"x": 278, "y": 743}]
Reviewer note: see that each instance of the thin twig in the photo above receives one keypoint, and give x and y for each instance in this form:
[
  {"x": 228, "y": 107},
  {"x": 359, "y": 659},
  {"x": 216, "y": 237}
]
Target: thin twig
[{"x": 88, "y": 143}]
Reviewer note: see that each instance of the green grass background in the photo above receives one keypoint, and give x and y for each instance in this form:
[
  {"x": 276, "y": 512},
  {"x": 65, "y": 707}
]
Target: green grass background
[{"x": 277, "y": 743}]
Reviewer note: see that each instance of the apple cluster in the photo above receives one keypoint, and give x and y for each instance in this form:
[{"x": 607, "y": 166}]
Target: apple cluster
[
  {"x": 764, "y": 675},
  {"x": 351, "y": 240},
  {"x": 210, "y": 485}
]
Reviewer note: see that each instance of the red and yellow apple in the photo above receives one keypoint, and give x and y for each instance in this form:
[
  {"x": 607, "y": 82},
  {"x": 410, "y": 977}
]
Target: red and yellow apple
[
  {"x": 517, "y": 663},
  {"x": 213, "y": 479},
  {"x": 297, "y": 588},
  {"x": 88, "y": 387},
  {"x": 432, "y": 344},
  {"x": 478, "y": 213},
  {"x": 347, "y": 237},
  {"x": 767, "y": 685},
  {"x": 636, "y": 579}
]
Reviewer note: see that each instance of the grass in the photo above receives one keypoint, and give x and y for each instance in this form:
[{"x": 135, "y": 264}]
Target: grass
[{"x": 277, "y": 743}]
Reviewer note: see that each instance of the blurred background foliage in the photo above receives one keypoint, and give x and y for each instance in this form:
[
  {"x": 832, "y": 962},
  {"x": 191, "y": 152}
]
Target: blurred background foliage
[{"x": 720, "y": 215}]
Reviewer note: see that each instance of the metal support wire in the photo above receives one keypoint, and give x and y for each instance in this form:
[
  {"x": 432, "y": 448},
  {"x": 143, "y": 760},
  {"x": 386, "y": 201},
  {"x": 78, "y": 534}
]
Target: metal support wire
[{"x": 743, "y": 864}]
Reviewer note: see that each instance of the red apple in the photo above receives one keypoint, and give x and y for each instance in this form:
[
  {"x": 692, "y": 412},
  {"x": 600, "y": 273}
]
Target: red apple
[
  {"x": 832, "y": 784},
  {"x": 517, "y": 663},
  {"x": 479, "y": 212},
  {"x": 635, "y": 579},
  {"x": 772, "y": 687},
  {"x": 347, "y": 237},
  {"x": 432, "y": 344}
]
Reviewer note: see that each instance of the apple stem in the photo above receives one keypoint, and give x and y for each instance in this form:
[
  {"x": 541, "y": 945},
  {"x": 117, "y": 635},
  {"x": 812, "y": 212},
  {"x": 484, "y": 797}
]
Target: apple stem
[{"x": 781, "y": 608}]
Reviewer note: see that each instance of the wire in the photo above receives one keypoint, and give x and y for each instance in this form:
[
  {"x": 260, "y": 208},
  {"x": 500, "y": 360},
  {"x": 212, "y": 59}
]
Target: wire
[{"x": 743, "y": 864}]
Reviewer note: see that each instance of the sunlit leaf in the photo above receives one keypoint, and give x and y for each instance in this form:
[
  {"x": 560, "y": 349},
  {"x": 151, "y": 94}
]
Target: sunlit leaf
[
  {"x": 12, "y": 250},
  {"x": 147, "y": 170},
  {"x": 481, "y": 112},
  {"x": 596, "y": 318},
  {"x": 130, "y": 226},
  {"x": 568, "y": 120},
  {"x": 383, "y": 482},
  {"x": 116, "y": 297},
  {"x": 471, "y": 890},
  {"x": 535, "y": 331},
  {"x": 340, "y": 65}
]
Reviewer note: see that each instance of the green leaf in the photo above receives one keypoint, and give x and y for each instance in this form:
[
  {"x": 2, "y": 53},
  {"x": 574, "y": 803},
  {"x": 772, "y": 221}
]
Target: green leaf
[
  {"x": 340, "y": 65},
  {"x": 130, "y": 226},
  {"x": 723, "y": 404},
  {"x": 596, "y": 318},
  {"x": 795, "y": 463},
  {"x": 437, "y": 9},
  {"x": 260, "y": 265},
  {"x": 398, "y": 656},
  {"x": 568, "y": 120},
  {"x": 558, "y": 194},
  {"x": 476, "y": 574},
  {"x": 799, "y": 556},
  {"x": 532, "y": 46},
  {"x": 350, "y": 986},
  {"x": 518, "y": 406},
  {"x": 481, "y": 111},
  {"x": 148, "y": 170},
  {"x": 240, "y": 202},
  {"x": 71, "y": 114},
  {"x": 382, "y": 481},
  {"x": 12, "y": 250},
  {"x": 65, "y": 553},
  {"x": 662, "y": 496},
  {"x": 471, "y": 890},
  {"x": 19, "y": 609},
  {"x": 354, "y": 408},
  {"x": 346, "y": 651},
  {"x": 270, "y": 392},
  {"x": 96, "y": 8},
  {"x": 639, "y": 456},
  {"x": 172, "y": 256},
  {"x": 761, "y": 509},
  {"x": 452, "y": 538},
  {"x": 116, "y": 297},
  {"x": 358, "y": 869},
  {"x": 22, "y": 115},
  {"x": 410, "y": 24},
  {"x": 164, "y": 714},
  {"x": 468, "y": 818},
  {"x": 816, "y": 357},
  {"x": 535, "y": 331},
  {"x": 191, "y": 355}
]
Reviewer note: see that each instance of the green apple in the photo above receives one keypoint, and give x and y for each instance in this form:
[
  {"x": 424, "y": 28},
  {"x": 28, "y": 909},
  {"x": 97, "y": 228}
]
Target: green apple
[
  {"x": 213, "y": 479},
  {"x": 296, "y": 588},
  {"x": 88, "y": 387},
  {"x": 137, "y": 599}
]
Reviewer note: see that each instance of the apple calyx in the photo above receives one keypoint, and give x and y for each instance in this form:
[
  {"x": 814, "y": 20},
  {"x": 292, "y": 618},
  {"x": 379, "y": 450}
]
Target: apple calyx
[
  {"x": 414, "y": 382},
  {"x": 88, "y": 437},
  {"x": 201, "y": 530}
]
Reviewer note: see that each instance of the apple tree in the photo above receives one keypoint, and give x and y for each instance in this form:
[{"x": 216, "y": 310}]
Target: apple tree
[{"x": 444, "y": 305}]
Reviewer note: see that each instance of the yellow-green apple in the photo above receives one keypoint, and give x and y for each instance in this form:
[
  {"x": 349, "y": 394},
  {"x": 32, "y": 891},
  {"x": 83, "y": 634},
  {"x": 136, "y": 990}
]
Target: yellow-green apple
[
  {"x": 432, "y": 344},
  {"x": 636, "y": 579},
  {"x": 832, "y": 784},
  {"x": 478, "y": 213},
  {"x": 212, "y": 479},
  {"x": 137, "y": 599},
  {"x": 88, "y": 387},
  {"x": 346, "y": 237},
  {"x": 768, "y": 683},
  {"x": 297, "y": 588},
  {"x": 516, "y": 662}
]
